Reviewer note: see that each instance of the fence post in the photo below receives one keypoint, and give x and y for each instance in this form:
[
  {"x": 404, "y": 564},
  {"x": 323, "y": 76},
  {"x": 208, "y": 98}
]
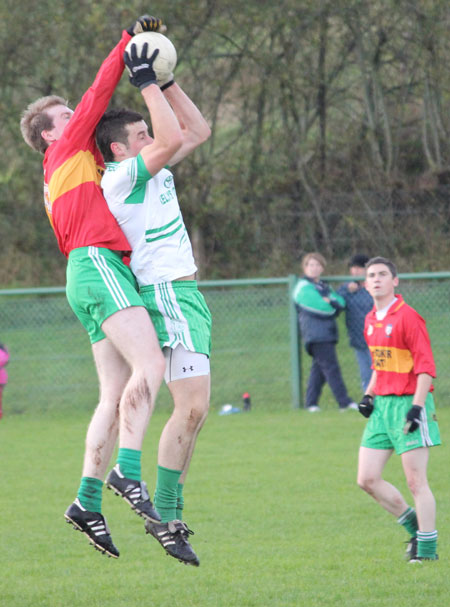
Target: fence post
[{"x": 296, "y": 371}]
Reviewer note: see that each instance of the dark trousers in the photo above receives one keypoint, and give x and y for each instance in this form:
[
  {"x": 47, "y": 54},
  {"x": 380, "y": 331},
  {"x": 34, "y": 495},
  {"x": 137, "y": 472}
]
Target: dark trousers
[{"x": 325, "y": 369}]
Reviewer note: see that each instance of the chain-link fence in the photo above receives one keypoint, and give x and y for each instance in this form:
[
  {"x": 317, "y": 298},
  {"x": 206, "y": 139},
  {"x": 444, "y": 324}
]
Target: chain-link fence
[
  {"x": 51, "y": 365},
  {"x": 255, "y": 345}
]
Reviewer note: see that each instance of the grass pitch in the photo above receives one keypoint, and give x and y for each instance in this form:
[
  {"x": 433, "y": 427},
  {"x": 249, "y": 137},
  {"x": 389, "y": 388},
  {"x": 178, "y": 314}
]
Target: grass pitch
[{"x": 271, "y": 496}]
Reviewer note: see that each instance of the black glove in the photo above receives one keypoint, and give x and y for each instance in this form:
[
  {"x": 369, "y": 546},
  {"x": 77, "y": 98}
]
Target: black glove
[
  {"x": 140, "y": 68},
  {"x": 146, "y": 23},
  {"x": 412, "y": 419},
  {"x": 366, "y": 405}
]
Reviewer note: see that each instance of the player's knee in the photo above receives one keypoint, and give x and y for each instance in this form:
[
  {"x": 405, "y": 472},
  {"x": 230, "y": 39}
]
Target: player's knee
[
  {"x": 196, "y": 416},
  {"x": 138, "y": 395},
  {"x": 151, "y": 372},
  {"x": 366, "y": 483},
  {"x": 203, "y": 410},
  {"x": 416, "y": 485}
]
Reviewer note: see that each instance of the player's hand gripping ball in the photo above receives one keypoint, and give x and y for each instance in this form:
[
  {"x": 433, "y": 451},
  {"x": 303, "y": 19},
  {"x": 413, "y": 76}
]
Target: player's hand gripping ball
[
  {"x": 140, "y": 68},
  {"x": 166, "y": 60},
  {"x": 146, "y": 23}
]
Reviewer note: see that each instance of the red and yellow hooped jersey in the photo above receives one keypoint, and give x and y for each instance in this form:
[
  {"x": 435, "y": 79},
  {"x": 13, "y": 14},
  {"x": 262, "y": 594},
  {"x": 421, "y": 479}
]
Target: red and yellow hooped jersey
[
  {"x": 73, "y": 167},
  {"x": 400, "y": 349}
]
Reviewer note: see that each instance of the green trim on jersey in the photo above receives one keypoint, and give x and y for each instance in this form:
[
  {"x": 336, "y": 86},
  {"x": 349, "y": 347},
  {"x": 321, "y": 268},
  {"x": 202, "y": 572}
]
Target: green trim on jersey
[
  {"x": 179, "y": 314},
  {"x": 384, "y": 429},
  {"x": 139, "y": 176},
  {"x": 178, "y": 220}
]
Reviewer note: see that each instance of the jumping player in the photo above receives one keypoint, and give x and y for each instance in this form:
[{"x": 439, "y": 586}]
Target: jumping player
[
  {"x": 141, "y": 194},
  {"x": 101, "y": 290},
  {"x": 400, "y": 408}
]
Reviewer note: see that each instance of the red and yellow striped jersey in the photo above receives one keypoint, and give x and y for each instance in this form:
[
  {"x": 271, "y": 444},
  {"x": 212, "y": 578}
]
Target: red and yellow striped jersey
[
  {"x": 400, "y": 349},
  {"x": 73, "y": 167}
]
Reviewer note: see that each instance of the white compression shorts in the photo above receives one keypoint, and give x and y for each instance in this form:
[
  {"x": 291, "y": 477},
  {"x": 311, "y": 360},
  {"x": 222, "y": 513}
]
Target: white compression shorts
[{"x": 182, "y": 363}]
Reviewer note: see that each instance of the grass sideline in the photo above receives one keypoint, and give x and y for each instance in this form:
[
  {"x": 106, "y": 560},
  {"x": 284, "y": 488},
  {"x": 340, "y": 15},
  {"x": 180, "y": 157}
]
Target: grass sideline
[{"x": 271, "y": 496}]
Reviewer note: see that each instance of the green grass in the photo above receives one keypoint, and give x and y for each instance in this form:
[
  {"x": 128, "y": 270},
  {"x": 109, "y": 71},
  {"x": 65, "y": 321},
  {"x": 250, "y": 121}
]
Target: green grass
[{"x": 279, "y": 520}]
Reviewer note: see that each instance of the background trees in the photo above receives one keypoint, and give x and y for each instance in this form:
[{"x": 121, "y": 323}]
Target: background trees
[{"x": 330, "y": 127}]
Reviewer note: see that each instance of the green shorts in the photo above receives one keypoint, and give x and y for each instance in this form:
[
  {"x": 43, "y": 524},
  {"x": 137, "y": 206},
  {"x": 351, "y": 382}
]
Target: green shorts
[
  {"x": 179, "y": 314},
  {"x": 384, "y": 430},
  {"x": 98, "y": 285}
]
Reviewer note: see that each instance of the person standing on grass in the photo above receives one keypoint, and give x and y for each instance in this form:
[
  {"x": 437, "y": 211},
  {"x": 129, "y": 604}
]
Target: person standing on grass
[
  {"x": 358, "y": 303},
  {"x": 318, "y": 305},
  {"x": 400, "y": 407},
  {"x": 101, "y": 289},
  {"x": 140, "y": 192}
]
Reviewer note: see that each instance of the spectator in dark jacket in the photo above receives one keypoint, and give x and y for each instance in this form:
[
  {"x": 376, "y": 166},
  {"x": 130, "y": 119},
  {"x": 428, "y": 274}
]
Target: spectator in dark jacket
[
  {"x": 358, "y": 304},
  {"x": 318, "y": 306}
]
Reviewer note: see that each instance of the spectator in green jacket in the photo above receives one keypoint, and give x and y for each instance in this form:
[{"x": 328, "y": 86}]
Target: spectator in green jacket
[{"x": 318, "y": 305}]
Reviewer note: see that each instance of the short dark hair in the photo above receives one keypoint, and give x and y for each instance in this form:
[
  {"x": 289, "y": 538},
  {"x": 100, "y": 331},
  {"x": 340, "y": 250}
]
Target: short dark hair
[
  {"x": 358, "y": 261},
  {"x": 386, "y": 262},
  {"x": 113, "y": 127}
]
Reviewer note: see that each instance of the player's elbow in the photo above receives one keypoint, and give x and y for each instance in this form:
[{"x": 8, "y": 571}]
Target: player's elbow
[
  {"x": 198, "y": 136},
  {"x": 176, "y": 141},
  {"x": 206, "y": 133},
  {"x": 172, "y": 145}
]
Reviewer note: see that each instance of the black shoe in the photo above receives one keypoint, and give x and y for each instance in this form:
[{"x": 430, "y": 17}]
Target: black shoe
[
  {"x": 134, "y": 492},
  {"x": 93, "y": 525},
  {"x": 420, "y": 559},
  {"x": 411, "y": 549},
  {"x": 173, "y": 538}
]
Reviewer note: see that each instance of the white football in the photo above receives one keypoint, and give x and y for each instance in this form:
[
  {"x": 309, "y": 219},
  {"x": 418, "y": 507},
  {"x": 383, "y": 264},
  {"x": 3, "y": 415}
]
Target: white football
[{"x": 166, "y": 59}]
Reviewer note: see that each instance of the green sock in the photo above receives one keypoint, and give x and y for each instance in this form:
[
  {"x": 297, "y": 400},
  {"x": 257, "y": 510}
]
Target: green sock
[
  {"x": 129, "y": 461},
  {"x": 90, "y": 493},
  {"x": 180, "y": 501},
  {"x": 166, "y": 493},
  {"x": 427, "y": 544},
  {"x": 409, "y": 521}
]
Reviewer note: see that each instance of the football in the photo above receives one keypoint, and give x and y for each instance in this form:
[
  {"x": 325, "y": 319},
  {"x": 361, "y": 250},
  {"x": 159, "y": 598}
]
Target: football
[{"x": 166, "y": 60}]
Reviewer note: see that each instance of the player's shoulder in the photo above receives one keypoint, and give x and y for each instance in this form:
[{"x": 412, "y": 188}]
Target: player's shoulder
[
  {"x": 409, "y": 313},
  {"x": 117, "y": 179},
  {"x": 115, "y": 171}
]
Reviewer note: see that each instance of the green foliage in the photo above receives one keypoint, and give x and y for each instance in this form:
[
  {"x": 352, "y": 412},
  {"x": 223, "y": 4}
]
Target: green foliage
[
  {"x": 272, "y": 498},
  {"x": 305, "y": 102}
]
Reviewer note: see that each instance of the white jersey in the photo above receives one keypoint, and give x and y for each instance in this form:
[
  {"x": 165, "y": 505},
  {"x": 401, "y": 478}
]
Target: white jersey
[{"x": 147, "y": 210}]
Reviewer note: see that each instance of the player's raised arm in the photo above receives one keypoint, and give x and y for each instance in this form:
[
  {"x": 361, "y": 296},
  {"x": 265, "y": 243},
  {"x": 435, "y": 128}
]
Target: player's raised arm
[
  {"x": 166, "y": 128},
  {"x": 95, "y": 100},
  {"x": 194, "y": 128}
]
